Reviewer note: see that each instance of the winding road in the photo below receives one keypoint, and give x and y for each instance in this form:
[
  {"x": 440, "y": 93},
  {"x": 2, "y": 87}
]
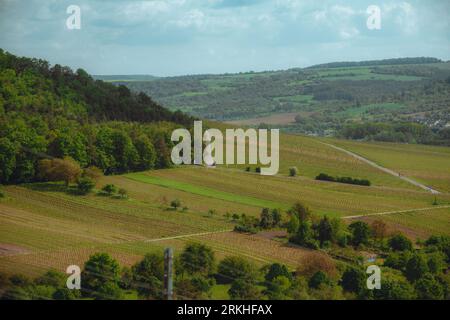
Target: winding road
[{"x": 386, "y": 170}]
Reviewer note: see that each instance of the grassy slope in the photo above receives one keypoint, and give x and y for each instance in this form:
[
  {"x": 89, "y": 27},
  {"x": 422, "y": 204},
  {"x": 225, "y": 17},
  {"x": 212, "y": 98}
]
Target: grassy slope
[
  {"x": 427, "y": 164},
  {"x": 57, "y": 229}
]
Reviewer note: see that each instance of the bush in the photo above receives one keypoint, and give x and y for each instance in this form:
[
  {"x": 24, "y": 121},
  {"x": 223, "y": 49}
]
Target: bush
[
  {"x": 109, "y": 189},
  {"x": 2, "y": 194},
  {"x": 175, "y": 204},
  {"x": 258, "y": 170},
  {"x": 353, "y": 280},
  {"x": 293, "y": 171},
  {"x": 85, "y": 185},
  {"x": 347, "y": 180},
  {"x": 234, "y": 267},
  {"x": 400, "y": 243},
  {"x": 123, "y": 193},
  {"x": 317, "y": 280}
]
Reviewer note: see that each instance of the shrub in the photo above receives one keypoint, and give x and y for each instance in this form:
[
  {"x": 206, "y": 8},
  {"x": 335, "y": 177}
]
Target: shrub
[
  {"x": 353, "y": 280},
  {"x": 175, "y": 204},
  {"x": 2, "y": 194},
  {"x": 123, "y": 193},
  {"x": 85, "y": 185},
  {"x": 400, "y": 243},
  {"x": 234, "y": 267},
  {"x": 318, "y": 279},
  {"x": 293, "y": 171},
  {"x": 258, "y": 170},
  {"x": 109, "y": 189}
]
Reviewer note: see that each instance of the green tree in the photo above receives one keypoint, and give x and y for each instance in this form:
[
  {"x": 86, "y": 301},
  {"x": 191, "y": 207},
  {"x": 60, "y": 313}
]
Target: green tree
[
  {"x": 148, "y": 276},
  {"x": 301, "y": 211},
  {"x": 146, "y": 152},
  {"x": 318, "y": 279},
  {"x": 243, "y": 290},
  {"x": 360, "y": 233},
  {"x": 416, "y": 267},
  {"x": 428, "y": 288},
  {"x": 197, "y": 258},
  {"x": 276, "y": 270},
  {"x": 325, "y": 231},
  {"x": 353, "y": 280},
  {"x": 101, "y": 276},
  {"x": 7, "y": 159},
  {"x": 293, "y": 224},
  {"x": 266, "y": 219},
  {"x": 400, "y": 243}
]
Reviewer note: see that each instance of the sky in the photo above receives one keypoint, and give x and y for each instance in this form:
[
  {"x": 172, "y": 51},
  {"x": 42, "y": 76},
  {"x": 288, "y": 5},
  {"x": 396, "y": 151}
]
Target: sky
[{"x": 178, "y": 37}]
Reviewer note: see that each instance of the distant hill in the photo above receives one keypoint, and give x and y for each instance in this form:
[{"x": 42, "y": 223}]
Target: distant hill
[
  {"x": 118, "y": 78},
  {"x": 384, "y": 62}
]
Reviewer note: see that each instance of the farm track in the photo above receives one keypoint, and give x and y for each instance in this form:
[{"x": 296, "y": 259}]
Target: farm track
[
  {"x": 394, "y": 212},
  {"x": 386, "y": 170}
]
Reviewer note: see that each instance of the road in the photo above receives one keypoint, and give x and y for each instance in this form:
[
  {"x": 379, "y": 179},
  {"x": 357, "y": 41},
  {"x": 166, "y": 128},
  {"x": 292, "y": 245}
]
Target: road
[{"x": 386, "y": 170}]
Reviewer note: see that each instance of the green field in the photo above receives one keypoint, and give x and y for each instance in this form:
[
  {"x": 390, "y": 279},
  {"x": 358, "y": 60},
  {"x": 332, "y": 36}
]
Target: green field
[{"x": 42, "y": 226}]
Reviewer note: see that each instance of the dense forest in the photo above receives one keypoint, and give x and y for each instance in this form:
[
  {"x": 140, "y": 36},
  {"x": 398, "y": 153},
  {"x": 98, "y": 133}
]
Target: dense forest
[
  {"x": 51, "y": 111},
  {"x": 321, "y": 100}
]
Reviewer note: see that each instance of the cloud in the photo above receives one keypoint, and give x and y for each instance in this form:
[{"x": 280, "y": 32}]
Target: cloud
[{"x": 167, "y": 37}]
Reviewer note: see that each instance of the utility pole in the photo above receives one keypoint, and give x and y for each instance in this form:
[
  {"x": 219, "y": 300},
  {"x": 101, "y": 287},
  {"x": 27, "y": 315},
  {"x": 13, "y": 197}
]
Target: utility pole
[{"x": 168, "y": 276}]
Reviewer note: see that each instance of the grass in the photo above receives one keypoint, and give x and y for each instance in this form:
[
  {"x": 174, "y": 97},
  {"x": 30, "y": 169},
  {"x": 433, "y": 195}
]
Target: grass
[
  {"x": 427, "y": 164},
  {"x": 206, "y": 192},
  {"x": 54, "y": 228}
]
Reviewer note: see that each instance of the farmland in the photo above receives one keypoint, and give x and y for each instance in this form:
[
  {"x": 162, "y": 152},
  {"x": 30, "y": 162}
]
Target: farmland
[{"x": 48, "y": 227}]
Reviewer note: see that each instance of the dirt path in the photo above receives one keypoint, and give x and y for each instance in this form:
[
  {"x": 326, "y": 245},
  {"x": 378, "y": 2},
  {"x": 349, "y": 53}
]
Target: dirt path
[
  {"x": 394, "y": 212},
  {"x": 386, "y": 170},
  {"x": 188, "y": 235}
]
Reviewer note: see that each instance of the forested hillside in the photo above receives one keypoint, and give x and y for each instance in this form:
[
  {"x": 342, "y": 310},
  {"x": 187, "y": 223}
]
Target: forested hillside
[
  {"x": 410, "y": 97},
  {"x": 50, "y": 111}
]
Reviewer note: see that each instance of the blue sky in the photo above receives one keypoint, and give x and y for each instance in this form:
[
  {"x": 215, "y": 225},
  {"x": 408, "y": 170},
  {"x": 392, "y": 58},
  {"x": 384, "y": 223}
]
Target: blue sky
[{"x": 176, "y": 37}]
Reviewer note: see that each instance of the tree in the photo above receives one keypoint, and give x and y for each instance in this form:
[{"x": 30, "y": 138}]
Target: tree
[
  {"x": 317, "y": 262},
  {"x": 276, "y": 217},
  {"x": 101, "y": 277},
  {"x": 395, "y": 289},
  {"x": 301, "y": 211},
  {"x": 276, "y": 270},
  {"x": 318, "y": 279},
  {"x": 360, "y": 233},
  {"x": 436, "y": 262},
  {"x": 325, "y": 231},
  {"x": 7, "y": 159},
  {"x": 234, "y": 267},
  {"x": 92, "y": 173},
  {"x": 278, "y": 288},
  {"x": 428, "y": 288},
  {"x": 379, "y": 229},
  {"x": 416, "y": 267},
  {"x": 400, "y": 243},
  {"x": 353, "y": 280},
  {"x": 266, "y": 220},
  {"x": 85, "y": 185},
  {"x": 243, "y": 290},
  {"x": 197, "y": 258},
  {"x": 293, "y": 224},
  {"x": 293, "y": 171},
  {"x": 148, "y": 276},
  {"x": 67, "y": 170},
  {"x": 146, "y": 152}
]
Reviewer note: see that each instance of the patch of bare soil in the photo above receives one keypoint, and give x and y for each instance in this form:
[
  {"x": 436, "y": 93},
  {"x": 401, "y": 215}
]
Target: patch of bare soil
[
  {"x": 11, "y": 250},
  {"x": 272, "y": 234}
]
